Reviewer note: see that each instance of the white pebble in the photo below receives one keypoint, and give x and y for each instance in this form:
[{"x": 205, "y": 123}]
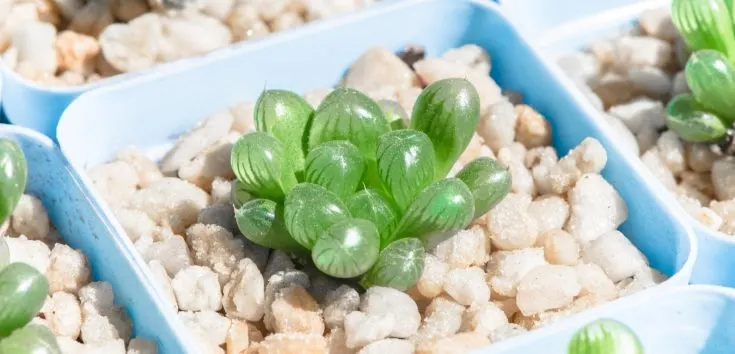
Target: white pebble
[
  {"x": 587, "y": 157},
  {"x": 32, "y": 252},
  {"x": 172, "y": 252},
  {"x": 596, "y": 208},
  {"x": 467, "y": 286},
  {"x": 67, "y": 270},
  {"x": 626, "y": 139},
  {"x": 378, "y": 67},
  {"x": 655, "y": 163},
  {"x": 382, "y": 301},
  {"x": 560, "y": 247},
  {"x": 497, "y": 124},
  {"x": 97, "y": 297},
  {"x": 362, "y": 329},
  {"x": 507, "y": 268},
  {"x": 465, "y": 248},
  {"x": 595, "y": 282},
  {"x": 615, "y": 254},
  {"x": 672, "y": 152},
  {"x": 244, "y": 294},
  {"x": 142, "y": 346},
  {"x": 551, "y": 212},
  {"x": 484, "y": 318},
  {"x": 510, "y": 225},
  {"x": 164, "y": 281},
  {"x": 640, "y": 113},
  {"x": 442, "y": 318},
  {"x": 723, "y": 178},
  {"x": 30, "y": 218},
  {"x": 66, "y": 317},
  {"x": 390, "y": 345},
  {"x": 338, "y": 303},
  {"x": 197, "y": 289},
  {"x": 547, "y": 287},
  {"x": 215, "y": 247},
  {"x": 431, "y": 282}
]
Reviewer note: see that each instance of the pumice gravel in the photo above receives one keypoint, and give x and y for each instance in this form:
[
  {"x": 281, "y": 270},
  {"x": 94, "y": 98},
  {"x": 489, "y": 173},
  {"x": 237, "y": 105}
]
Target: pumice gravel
[
  {"x": 631, "y": 78},
  {"x": 81, "y": 312},
  {"x": 549, "y": 249},
  {"x": 62, "y": 43}
]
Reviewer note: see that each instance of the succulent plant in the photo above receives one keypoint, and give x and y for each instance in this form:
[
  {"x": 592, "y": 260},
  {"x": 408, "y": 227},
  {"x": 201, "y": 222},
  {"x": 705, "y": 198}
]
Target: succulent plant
[
  {"x": 357, "y": 186},
  {"x": 605, "y": 337},
  {"x": 707, "y": 114},
  {"x": 23, "y": 289}
]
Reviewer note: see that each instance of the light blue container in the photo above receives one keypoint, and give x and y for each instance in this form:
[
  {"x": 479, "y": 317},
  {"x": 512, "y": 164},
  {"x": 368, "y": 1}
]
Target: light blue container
[
  {"x": 77, "y": 218},
  {"x": 716, "y": 261},
  {"x": 31, "y": 105},
  {"x": 150, "y": 112},
  {"x": 694, "y": 319},
  {"x": 38, "y": 107},
  {"x": 534, "y": 18}
]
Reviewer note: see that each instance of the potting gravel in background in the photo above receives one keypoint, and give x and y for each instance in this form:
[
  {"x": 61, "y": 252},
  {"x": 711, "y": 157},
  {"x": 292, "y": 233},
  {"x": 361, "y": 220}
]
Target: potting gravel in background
[
  {"x": 81, "y": 312},
  {"x": 548, "y": 250},
  {"x": 631, "y": 78},
  {"x": 73, "y": 42}
]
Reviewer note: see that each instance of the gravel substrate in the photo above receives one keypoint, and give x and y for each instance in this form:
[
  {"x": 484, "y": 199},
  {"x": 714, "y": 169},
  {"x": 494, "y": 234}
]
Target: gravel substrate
[
  {"x": 631, "y": 78},
  {"x": 82, "y": 313},
  {"x": 548, "y": 250},
  {"x": 73, "y": 42}
]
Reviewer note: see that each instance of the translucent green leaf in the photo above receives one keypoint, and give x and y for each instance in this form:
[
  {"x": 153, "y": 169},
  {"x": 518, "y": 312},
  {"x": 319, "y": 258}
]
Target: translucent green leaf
[
  {"x": 259, "y": 162},
  {"x": 337, "y": 166},
  {"x": 310, "y": 210},
  {"x": 4, "y": 252},
  {"x": 405, "y": 164},
  {"x": 711, "y": 77},
  {"x": 22, "y": 293},
  {"x": 31, "y": 339},
  {"x": 705, "y": 24},
  {"x": 687, "y": 117},
  {"x": 261, "y": 221},
  {"x": 488, "y": 181},
  {"x": 447, "y": 111},
  {"x": 347, "y": 114},
  {"x": 239, "y": 195},
  {"x": 13, "y": 177},
  {"x": 370, "y": 205},
  {"x": 605, "y": 337},
  {"x": 399, "y": 265},
  {"x": 348, "y": 249},
  {"x": 285, "y": 115},
  {"x": 395, "y": 114},
  {"x": 445, "y": 205}
]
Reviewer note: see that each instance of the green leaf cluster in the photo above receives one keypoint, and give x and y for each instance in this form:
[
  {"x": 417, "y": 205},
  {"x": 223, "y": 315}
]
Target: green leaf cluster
[{"x": 354, "y": 189}]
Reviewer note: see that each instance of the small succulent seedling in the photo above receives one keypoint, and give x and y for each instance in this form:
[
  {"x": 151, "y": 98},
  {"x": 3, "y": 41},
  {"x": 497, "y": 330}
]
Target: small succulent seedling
[
  {"x": 707, "y": 114},
  {"x": 23, "y": 289},
  {"x": 605, "y": 337},
  {"x": 356, "y": 185}
]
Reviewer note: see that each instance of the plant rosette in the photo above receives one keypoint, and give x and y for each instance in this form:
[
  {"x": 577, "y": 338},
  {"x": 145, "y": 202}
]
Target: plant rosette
[
  {"x": 352, "y": 185},
  {"x": 23, "y": 289},
  {"x": 605, "y": 337},
  {"x": 707, "y": 114}
]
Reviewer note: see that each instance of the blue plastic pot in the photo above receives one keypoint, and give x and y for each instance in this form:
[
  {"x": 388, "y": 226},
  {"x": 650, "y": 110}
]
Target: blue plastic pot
[
  {"x": 78, "y": 219},
  {"x": 716, "y": 260},
  {"x": 694, "y": 319},
  {"x": 150, "y": 112}
]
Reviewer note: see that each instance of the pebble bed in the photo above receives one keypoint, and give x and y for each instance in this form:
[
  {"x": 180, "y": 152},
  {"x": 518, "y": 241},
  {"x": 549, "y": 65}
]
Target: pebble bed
[
  {"x": 62, "y": 43},
  {"x": 548, "y": 250},
  {"x": 631, "y": 78},
  {"x": 80, "y": 312}
]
